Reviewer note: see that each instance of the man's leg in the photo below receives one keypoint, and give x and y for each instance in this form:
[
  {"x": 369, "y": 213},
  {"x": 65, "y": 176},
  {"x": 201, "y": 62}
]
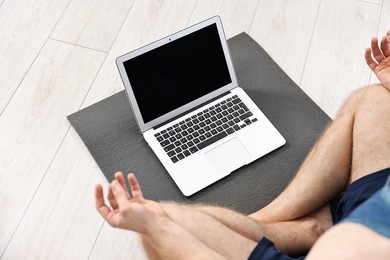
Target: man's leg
[
  {"x": 358, "y": 141},
  {"x": 209, "y": 231},
  {"x": 371, "y": 134}
]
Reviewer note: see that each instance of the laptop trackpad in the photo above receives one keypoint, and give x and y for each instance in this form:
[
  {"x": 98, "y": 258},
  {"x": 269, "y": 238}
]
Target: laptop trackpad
[{"x": 229, "y": 156}]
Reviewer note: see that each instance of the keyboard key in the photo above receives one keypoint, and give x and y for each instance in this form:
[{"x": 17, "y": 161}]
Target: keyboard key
[
  {"x": 166, "y": 136},
  {"x": 175, "y": 125},
  {"x": 254, "y": 120},
  {"x": 241, "y": 111},
  {"x": 174, "y": 159},
  {"x": 196, "y": 127},
  {"x": 196, "y": 140},
  {"x": 178, "y": 130},
  {"x": 172, "y": 139},
  {"x": 212, "y": 140},
  {"x": 184, "y": 133},
  {"x": 160, "y": 138},
  {"x": 236, "y": 127},
  {"x": 246, "y": 115},
  {"x": 178, "y": 150},
  {"x": 177, "y": 143},
  {"x": 213, "y": 125},
  {"x": 180, "y": 156},
  {"x": 183, "y": 140},
  {"x": 219, "y": 129},
  {"x": 202, "y": 138},
  {"x": 235, "y": 96},
  {"x": 225, "y": 126},
  {"x": 169, "y": 147},
  {"x": 158, "y": 134},
  {"x": 208, "y": 134},
  {"x": 164, "y": 143},
  {"x": 171, "y": 153},
  {"x": 169, "y": 128},
  {"x": 190, "y": 130},
  {"x": 187, "y": 153},
  {"x": 181, "y": 122},
  {"x": 193, "y": 149},
  {"x": 230, "y": 131},
  {"x": 214, "y": 132},
  {"x": 196, "y": 134},
  {"x": 178, "y": 136},
  {"x": 207, "y": 128},
  {"x": 236, "y": 101},
  {"x": 184, "y": 147},
  {"x": 190, "y": 143}
]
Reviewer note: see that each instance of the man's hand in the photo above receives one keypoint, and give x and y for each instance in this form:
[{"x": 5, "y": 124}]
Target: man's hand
[
  {"x": 127, "y": 212},
  {"x": 378, "y": 59}
]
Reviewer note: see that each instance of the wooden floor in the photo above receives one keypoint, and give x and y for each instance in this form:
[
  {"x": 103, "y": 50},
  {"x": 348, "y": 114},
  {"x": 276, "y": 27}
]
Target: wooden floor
[{"x": 57, "y": 56}]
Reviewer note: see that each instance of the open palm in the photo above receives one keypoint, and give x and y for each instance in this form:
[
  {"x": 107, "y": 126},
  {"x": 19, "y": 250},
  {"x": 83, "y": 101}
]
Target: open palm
[{"x": 378, "y": 59}]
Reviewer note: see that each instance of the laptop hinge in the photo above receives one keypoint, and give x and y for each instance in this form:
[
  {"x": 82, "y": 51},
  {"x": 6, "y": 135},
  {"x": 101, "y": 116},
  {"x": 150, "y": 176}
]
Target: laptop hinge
[{"x": 192, "y": 109}]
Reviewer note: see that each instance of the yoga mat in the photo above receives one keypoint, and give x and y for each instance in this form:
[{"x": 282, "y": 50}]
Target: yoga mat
[{"x": 109, "y": 131}]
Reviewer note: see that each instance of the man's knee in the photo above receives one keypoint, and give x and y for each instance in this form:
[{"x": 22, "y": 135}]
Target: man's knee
[{"x": 369, "y": 97}]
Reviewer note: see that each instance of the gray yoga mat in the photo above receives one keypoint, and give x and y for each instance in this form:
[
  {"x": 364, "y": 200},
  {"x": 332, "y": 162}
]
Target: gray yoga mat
[{"x": 110, "y": 133}]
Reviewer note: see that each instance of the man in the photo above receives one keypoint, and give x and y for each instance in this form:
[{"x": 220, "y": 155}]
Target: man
[{"x": 352, "y": 156}]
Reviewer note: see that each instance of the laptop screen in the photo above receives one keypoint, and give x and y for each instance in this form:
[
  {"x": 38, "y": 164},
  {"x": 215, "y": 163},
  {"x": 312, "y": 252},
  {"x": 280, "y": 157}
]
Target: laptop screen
[{"x": 177, "y": 73}]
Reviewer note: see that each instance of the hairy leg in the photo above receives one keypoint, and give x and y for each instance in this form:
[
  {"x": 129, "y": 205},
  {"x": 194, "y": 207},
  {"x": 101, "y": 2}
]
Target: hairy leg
[
  {"x": 209, "y": 231},
  {"x": 324, "y": 173},
  {"x": 371, "y": 133}
]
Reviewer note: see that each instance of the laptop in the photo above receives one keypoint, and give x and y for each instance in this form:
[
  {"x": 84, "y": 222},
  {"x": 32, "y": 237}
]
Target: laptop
[{"x": 190, "y": 109}]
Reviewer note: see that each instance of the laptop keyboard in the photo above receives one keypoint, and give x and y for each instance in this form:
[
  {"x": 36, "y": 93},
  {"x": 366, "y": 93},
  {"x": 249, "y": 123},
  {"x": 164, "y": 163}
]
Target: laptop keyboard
[{"x": 199, "y": 131}]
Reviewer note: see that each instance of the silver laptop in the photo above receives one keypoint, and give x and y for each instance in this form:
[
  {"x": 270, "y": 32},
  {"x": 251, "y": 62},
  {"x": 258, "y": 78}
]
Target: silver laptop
[{"x": 186, "y": 100}]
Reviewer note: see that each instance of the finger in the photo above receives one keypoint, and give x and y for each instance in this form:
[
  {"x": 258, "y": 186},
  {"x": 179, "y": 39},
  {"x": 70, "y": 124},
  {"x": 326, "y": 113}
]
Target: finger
[
  {"x": 99, "y": 202},
  {"x": 111, "y": 199},
  {"x": 385, "y": 47},
  {"x": 370, "y": 62},
  {"x": 135, "y": 187},
  {"x": 119, "y": 177},
  {"x": 375, "y": 50},
  {"x": 119, "y": 194}
]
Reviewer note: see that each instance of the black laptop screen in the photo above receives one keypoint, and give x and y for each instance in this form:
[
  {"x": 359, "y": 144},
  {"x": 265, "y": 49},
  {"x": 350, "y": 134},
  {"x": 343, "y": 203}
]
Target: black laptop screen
[{"x": 177, "y": 73}]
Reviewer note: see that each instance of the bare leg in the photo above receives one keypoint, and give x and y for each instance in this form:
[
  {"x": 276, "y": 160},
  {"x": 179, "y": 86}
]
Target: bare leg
[
  {"x": 209, "y": 231},
  {"x": 357, "y": 139},
  {"x": 323, "y": 174},
  {"x": 371, "y": 134}
]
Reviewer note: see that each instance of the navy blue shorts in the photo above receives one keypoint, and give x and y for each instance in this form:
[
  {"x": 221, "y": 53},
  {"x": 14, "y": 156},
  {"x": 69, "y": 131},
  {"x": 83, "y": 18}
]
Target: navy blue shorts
[{"x": 341, "y": 207}]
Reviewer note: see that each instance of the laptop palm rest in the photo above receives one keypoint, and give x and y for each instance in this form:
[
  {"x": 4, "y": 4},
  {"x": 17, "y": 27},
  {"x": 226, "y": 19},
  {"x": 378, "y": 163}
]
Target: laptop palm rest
[{"x": 229, "y": 156}]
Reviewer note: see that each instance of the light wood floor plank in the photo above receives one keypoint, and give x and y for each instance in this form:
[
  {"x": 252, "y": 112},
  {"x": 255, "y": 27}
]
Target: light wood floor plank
[
  {"x": 236, "y": 16},
  {"x": 284, "y": 29},
  {"x": 61, "y": 222},
  {"x": 92, "y": 23},
  {"x": 24, "y": 28},
  {"x": 335, "y": 65},
  {"x": 34, "y": 124}
]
